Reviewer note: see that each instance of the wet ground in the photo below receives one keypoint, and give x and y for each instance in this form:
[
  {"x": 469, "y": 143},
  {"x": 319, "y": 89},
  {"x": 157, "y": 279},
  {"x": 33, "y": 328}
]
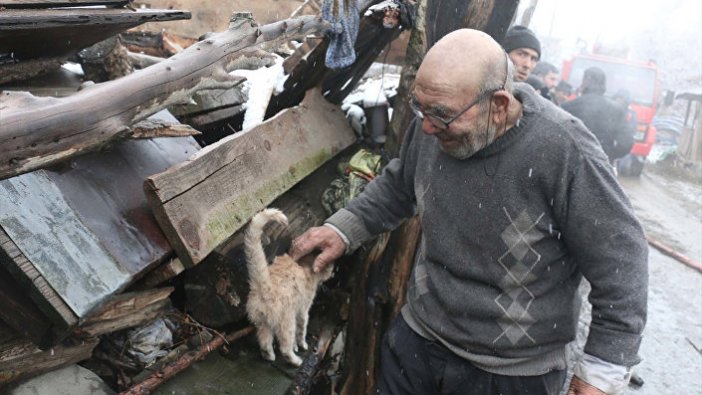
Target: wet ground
[{"x": 670, "y": 209}]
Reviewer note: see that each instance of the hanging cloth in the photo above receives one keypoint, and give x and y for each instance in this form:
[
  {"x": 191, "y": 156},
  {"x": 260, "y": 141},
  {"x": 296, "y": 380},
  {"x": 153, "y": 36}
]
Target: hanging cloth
[{"x": 344, "y": 19}]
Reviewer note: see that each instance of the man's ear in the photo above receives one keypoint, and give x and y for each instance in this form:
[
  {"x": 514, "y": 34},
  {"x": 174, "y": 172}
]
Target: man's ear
[{"x": 500, "y": 105}]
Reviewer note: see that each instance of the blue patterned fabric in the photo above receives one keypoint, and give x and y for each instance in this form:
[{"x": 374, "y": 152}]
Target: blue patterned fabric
[{"x": 344, "y": 19}]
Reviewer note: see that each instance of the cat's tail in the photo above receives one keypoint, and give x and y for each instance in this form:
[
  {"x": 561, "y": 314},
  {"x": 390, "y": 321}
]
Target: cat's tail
[{"x": 255, "y": 256}]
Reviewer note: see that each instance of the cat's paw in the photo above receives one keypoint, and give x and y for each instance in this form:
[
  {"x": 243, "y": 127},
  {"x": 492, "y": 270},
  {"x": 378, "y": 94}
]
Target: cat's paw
[
  {"x": 304, "y": 346},
  {"x": 294, "y": 360},
  {"x": 268, "y": 355}
]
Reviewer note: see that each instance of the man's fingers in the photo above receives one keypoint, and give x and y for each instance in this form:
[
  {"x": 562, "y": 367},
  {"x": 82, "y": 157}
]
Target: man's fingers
[
  {"x": 328, "y": 255},
  {"x": 299, "y": 248},
  {"x": 319, "y": 263}
]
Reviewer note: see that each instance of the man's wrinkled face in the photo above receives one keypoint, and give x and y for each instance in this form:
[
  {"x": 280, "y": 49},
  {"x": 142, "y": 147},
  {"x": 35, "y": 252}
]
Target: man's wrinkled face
[
  {"x": 465, "y": 136},
  {"x": 550, "y": 80},
  {"x": 524, "y": 60}
]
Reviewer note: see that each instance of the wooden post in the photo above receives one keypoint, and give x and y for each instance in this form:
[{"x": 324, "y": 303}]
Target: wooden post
[{"x": 364, "y": 329}]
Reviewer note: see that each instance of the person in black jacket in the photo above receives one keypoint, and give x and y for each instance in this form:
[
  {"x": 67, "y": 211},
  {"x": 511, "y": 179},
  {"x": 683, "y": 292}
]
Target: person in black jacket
[{"x": 605, "y": 118}]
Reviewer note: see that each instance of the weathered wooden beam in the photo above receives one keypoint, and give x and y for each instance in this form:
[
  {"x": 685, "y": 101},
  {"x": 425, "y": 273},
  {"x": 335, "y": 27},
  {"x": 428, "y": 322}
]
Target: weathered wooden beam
[
  {"x": 19, "y": 312},
  {"x": 364, "y": 335},
  {"x": 401, "y": 252},
  {"x": 61, "y": 32},
  {"x": 149, "y": 129},
  {"x": 161, "y": 274},
  {"x": 203, "y": 201},
  {"x": 126, "y": 311},
  {"x": 21, "y": 359},
  {"x": 28, "y": 69},
  {"x": 36, "y": 132},
  {"x": 59, "y": 3},
  {"x": 41, "y": 293}
]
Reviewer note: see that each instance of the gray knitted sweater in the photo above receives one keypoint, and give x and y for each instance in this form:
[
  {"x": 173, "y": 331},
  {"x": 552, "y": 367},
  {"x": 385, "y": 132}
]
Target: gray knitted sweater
[{"x": 507, "y": 235}]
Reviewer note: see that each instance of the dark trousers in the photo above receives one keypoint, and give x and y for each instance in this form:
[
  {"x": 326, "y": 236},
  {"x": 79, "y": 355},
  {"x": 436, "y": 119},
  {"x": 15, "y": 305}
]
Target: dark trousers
[{"x": 410, "y": 364}]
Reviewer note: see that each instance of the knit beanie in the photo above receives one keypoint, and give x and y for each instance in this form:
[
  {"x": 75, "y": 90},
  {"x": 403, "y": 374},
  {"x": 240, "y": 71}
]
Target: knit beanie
[{"x": 521, "y": 37}]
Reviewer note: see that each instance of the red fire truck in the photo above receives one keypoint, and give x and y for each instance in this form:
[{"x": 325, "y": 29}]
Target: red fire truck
[{"x": 640, "y": 79}]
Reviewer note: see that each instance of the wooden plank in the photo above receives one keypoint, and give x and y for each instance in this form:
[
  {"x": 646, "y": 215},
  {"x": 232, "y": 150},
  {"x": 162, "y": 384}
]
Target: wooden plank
[
  {"x": 59, "y": 3},
  {"x": 126, "y": 311},
  {"x": 203, "y": 201},
  {"x": 47, "y": 33},
  {"x": 12, "y": 19},
  {"x": 20, "y": 314},
  {"x": 20, "y": 359},
  {"x": 40, "y": 294}
]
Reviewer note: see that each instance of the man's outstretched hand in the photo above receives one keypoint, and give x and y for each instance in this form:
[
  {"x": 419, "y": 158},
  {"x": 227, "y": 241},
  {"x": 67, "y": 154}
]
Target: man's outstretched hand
[
  {"x": 579, "y": 387},
  {"x": 320, "y": 238}
]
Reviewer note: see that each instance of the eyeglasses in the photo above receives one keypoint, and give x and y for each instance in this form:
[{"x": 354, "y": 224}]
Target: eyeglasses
[{"x": 442, "y": 123}]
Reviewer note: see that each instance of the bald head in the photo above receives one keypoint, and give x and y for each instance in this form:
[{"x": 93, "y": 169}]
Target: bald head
[{"x": 461, "y": 61}]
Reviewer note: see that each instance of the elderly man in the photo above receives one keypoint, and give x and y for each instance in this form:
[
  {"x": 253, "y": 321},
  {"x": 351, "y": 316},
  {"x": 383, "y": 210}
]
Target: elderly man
[
  {"x": 517, "y": 203},
  {"x": 524, "y": 50}
]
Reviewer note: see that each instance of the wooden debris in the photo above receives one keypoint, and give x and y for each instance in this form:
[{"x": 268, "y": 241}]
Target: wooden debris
[
  {"x": 36, "y": 132},
  {"x": 170, "y": 370},
  {"x": 403, "y": 246},
  {"x": 38, "y": 288},
  {"x": 59, "y": 3},
  {"x": 149, "y": 129},
  {"x": 105, "y": 61},
  {"x": 20, "y": 313},
  {"x": 307, "y": 373},
  {"x": 161, "y": 274},
  {"x": 21, "y": 359},
  {"x": 142, "y": 61},
  {"x": 51, "y": 32},
  {"x": 364, "y": 331},
  {"x": 158, "y": 44},
  {"x": 28, "y": 69},
  {"x": 126, "y": 311},
  {"x": 202, "y": 202}
]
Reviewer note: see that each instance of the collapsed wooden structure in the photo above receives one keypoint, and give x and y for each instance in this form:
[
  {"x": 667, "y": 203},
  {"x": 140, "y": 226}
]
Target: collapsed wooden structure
[{"x": 105, "y": 202}]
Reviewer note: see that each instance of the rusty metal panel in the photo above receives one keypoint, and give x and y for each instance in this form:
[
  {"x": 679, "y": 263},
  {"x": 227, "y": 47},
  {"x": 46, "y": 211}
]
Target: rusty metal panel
[
  {"x": 86, "y": 226},
  {"x": 106, "y": 189}
]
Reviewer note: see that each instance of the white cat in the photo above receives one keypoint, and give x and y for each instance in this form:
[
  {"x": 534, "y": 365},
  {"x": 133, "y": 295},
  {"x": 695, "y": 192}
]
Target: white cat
[{"x": 281, "y": 294}]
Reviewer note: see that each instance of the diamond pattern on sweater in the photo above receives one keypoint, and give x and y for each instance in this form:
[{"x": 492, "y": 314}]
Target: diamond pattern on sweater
[{"x": 518, "y": 263}]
